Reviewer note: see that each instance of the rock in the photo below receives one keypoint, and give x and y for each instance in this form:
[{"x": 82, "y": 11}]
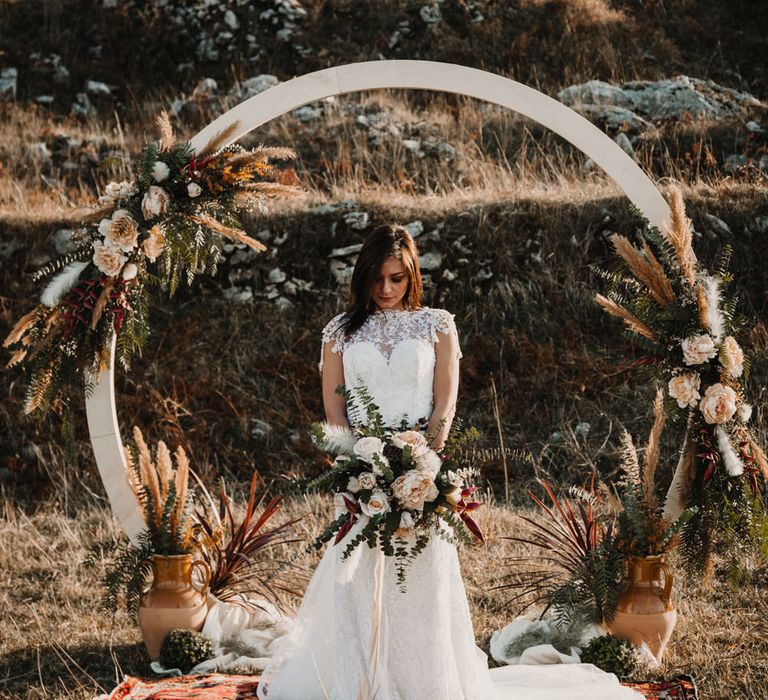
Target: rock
[
  {"x": 277, "y": 276},
  {"x": 205, "y": 88},
  {"x": 61, "y": 73},
  {"x": 243, "y": 256},
  {"x": 589, "y": 165},
  {"x": 300, "y": 285},
  {"x": 482, "y": 275},
  {"x": 308, "y": 113},
  {"x": 446, "y": 151},
  {"x": 260, "y": 428},
  {"x": 412, "y": 145},
  {"x": 735, "y": 162},
  {"x": 718, "y": 226},
  {"x": 238, "y": 294},
  {"x": 664, "y": 99},
  {"x": 754, "y": 127},
  {"x": 762, "y": 164},
  {"x": 8, "y": 83},
  {"x": 253, "y": 86},
  {"x": 430, "y": 14},
  {"x": 97, "y": 88},
  {"x": 324, "y": 209},
  {"x": 430, "y": 261},
  {"x": 346, "y": 250},
  {"x": 40, "y": 153},
  {"x": 230, "y": 19},
  {"x": 761, "y": 224},
  {"x": 282, "y": 304},
  {"x": 44, "y": 100},
  {"x": 582, "y": 429},
  {"x": 64, "y": 241},
  {"x": 290, "y": 288},
  {"x": 342, "y": 272},
  {"x": 449, "y": 276},
  {"x": 82, "y": 106},
  {"x": 415, "y": 228},
  {"x": 357, "y": 220},
  {"x": 624, "y": 143}
]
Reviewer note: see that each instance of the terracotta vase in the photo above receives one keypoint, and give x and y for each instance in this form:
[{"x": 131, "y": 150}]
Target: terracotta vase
[
  {"x": 645, "y": 612},
  {"x": 172, "y": 601}
]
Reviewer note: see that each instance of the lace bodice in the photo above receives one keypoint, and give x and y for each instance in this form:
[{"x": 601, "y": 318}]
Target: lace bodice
[{"x": 393, "y": 355}]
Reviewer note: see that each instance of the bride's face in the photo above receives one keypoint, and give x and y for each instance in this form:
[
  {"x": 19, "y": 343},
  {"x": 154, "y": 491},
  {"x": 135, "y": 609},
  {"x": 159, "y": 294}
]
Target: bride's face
[{"x": 391, "y": 284}]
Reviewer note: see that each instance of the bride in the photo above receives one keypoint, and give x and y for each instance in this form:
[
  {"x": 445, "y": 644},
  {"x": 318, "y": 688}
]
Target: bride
[{"x": 357, "y": 636}]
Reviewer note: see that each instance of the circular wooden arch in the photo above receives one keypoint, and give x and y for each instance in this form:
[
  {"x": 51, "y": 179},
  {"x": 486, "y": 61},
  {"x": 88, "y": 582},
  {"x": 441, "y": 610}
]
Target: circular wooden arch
[{"x": 355, "y": 77}]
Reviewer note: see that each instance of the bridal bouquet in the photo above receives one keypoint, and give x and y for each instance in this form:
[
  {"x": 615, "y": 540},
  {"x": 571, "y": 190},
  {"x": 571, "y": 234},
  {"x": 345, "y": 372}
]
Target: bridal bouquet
[{"x": 395, "y": 488}]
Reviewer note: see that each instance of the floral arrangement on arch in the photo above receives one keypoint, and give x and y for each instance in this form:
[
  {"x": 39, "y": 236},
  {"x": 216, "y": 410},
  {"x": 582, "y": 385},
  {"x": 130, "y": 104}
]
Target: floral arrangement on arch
[
  {"x": 164, "y": 226},
  {"x": 391, "y": 489},
  {"x": 679, "y": 312}
]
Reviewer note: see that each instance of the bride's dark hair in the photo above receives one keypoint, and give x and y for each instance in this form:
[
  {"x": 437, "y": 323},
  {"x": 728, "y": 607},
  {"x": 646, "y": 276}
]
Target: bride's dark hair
[{"x": 388, "y": 240}]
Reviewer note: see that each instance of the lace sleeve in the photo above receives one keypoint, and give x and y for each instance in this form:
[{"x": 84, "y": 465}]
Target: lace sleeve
[
  {"x": 331, "y": 333},
  {"x": 443, "y": 322}
]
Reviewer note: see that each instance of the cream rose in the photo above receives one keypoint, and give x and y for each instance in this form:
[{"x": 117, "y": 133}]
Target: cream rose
[
  {"x": 366, "y": 480},
  {"x": 429, "y": 463},
  {"x": 377, "y": 504},
  {"x": 718, "y": 404},
  {"x": 732, "y": 357},
  {"x": 154, "y": 244},
  {"x": 107, "y": 259},
  {"x": 413, "y": 439},
  {"x": 122, "y": 232},
  {"x": 697, "y": 349},
  {"x": 413, "y": 488},
  {"x": 155, "y": 202},
  {"x": 685, "y": 388}
]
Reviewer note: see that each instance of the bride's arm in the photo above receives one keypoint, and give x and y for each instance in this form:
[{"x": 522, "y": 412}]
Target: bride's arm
[
  {"x": 445, "y": 387},
  {"x": 333, "y": 375}
]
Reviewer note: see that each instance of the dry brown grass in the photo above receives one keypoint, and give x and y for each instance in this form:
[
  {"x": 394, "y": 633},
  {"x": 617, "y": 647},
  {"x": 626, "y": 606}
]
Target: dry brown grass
[{"x": 57, "y": 644}]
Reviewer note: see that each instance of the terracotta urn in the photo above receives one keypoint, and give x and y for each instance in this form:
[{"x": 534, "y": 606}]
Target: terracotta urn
[
  {"x": 172, "y": 601},
  {"x": 645, "y": 612}
]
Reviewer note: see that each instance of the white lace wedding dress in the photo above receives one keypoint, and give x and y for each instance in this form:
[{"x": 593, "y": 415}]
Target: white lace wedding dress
[{"x": 356, "y": 635}]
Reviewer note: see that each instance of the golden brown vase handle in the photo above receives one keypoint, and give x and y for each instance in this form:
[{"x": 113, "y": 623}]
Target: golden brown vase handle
[
  {"x": 207, "y": 575},
  {"x": 666, "y": 595}
]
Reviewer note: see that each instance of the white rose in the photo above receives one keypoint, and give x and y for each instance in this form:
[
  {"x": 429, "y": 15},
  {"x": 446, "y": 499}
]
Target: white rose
[
  {"x": 697, "y": 349},
  {"x": 718, "y": 404},
  {"x": 377, "y": 504},
  {"x": 366, "y": 447},
  {"x": 107, "y": 259},
  {"x": 732, "y": 357},
  {"x": 413, "y": 488},
  {"x": 130, "y": 271},
  {"x": 414, "y": 439},
  {"x": 429, "y": 463},
  {"x": 685, "y": 388},
  {"x": 155, "y": 202},
  {"x": 744, "y": 411},
  {"x": 160, "y": 171},
  {"x": 193, "y": 189},
  {"x": 367, "y": 480},
  {"x": 353, "y": 484}
]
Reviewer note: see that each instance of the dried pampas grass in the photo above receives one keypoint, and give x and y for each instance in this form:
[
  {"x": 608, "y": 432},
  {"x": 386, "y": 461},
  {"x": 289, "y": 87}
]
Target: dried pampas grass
[
  {"x": 234, "y": 234},
  {"x": 646, "y": 268},
  {"x": 632, "y": 322},
  {"x": 680, "y": 234},
  {"x": 652, "y": 450}
]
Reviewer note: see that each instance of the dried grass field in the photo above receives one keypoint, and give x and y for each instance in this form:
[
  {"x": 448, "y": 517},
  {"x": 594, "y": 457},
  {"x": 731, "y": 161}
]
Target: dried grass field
[{"x": 518, "y": 220}]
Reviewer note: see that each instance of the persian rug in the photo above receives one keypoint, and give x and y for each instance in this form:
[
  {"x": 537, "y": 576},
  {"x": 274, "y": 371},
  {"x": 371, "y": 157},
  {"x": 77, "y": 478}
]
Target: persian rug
[
  {"x": 217, "y": 686},
  {"x": 679, "y": 688},
  {"x": 214, "y": 686}
]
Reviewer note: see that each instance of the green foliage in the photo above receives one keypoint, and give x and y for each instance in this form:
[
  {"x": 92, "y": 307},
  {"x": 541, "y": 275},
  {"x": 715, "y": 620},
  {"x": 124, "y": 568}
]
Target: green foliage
[
  {"x": 128, "y": 574},
  {"x": 184, "y": 649},
  {"x": 611, "y": 654}
]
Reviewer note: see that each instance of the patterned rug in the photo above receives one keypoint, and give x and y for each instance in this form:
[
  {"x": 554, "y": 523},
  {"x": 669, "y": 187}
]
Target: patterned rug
[{"x": 223, "y": 687}]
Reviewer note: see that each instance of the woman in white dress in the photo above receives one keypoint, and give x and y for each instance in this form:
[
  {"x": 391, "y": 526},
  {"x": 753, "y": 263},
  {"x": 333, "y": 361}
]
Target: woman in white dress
[{"x": 357, "y": 636}]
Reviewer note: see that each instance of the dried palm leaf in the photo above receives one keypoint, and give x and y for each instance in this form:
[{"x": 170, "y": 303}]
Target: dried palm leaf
[
  {"x": 229, "y": 232},
  {"x": 22, "y": 327},
  {"x": 101, "y": 302},
  {"x": 650, "y": 274}
]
